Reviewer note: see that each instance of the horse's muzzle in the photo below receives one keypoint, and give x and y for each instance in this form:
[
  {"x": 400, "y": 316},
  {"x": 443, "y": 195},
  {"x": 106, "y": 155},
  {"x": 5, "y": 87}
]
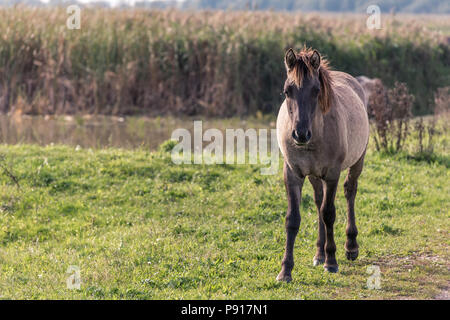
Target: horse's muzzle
[{"x": 301, "y": 137}]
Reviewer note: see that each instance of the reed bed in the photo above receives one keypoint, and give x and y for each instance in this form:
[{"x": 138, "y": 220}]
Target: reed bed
[{"x": 212, "y": 63}]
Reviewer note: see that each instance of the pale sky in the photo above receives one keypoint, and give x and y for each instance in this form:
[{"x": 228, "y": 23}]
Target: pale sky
[{"x": 114, "y": 2}]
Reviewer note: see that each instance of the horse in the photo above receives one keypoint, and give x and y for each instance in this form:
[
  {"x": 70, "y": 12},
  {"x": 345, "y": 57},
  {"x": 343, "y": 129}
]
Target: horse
[
  {"x": 370, "y": 87},
  {"x": 322, "y": 129}
]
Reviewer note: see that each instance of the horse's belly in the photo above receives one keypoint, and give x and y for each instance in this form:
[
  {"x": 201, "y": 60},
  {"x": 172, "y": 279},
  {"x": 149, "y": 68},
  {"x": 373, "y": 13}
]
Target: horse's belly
[
  {"x": 352, "y": 159},
  {"x": 357, "y": 138}
]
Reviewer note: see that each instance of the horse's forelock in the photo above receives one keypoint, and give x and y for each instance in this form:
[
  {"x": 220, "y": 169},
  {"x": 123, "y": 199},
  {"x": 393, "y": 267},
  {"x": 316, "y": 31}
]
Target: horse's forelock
[{"x": 298, "y": 72}]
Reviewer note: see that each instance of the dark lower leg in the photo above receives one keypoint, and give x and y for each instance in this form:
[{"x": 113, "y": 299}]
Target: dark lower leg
[
  {"x": 350, "y": 189},
  {"x": 328, "y": 216},
  {"x": 351, "y": 245},
  {"x": 319, "y": 257},
  {"x": 293, "y": 190}
]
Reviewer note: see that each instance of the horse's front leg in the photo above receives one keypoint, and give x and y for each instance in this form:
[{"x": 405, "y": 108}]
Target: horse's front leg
[
  {"x": 328, "y": 215},
  {"x": 319, "y": 257},
  {"x": 293, "y": 185}
]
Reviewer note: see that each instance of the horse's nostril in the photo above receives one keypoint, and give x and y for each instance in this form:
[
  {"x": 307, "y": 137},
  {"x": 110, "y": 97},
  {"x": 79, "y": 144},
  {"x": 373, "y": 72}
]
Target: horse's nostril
[
  {"x": 295, "y": 135},
  {"x": 308, "y": 135}
]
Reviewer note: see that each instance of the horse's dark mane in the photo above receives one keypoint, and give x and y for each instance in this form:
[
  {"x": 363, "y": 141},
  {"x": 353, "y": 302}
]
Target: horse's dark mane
[{"x": 303, "y": 67}]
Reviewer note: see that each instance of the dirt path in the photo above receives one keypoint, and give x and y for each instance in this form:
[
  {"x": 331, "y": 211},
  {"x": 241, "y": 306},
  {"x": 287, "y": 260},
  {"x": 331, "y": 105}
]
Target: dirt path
[
  {"x": 430, "y": 282},
  {"x": 444, "y": 295}
]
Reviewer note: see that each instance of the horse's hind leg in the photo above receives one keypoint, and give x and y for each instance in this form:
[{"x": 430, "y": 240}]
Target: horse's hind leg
[
  {"x": 350, "y": 189},
  {"x": 328, "y": 216},
  {"x": 319, "y": 257}
]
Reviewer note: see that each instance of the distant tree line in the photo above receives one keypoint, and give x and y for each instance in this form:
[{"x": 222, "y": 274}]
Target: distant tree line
[{"x": 403, "y": 6}]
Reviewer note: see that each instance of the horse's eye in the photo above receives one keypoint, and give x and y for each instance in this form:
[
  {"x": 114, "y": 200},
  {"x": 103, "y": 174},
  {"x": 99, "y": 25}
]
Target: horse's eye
[{"x": 316, "y": 89}]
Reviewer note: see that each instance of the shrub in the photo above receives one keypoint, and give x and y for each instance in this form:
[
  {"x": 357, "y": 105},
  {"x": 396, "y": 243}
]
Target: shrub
[
  {"x": 442, "y": 102},
  {"x": 392, "y": 111},
  {"x": 427, "y": 130}
]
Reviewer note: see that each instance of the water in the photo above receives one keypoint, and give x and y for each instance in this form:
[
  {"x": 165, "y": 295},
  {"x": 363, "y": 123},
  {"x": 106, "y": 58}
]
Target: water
[{"x": 108, "y": 131}]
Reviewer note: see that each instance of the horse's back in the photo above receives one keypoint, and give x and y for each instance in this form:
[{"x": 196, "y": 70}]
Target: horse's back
[
  {"x": 351, "y": 107},
  {"x": 353, "y": 83}
]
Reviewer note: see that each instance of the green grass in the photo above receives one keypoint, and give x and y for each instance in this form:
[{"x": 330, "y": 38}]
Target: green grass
[{"x": 140, "y": 227}]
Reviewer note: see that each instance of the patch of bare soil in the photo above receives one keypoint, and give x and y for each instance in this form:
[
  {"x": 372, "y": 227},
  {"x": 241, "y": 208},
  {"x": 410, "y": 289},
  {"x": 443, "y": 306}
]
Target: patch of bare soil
[
  {"x": 444, "y": 295},
  {"x": 433, "y": 281}
]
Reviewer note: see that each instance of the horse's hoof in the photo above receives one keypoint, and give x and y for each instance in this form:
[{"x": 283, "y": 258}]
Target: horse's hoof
[
  {"x": 318, "y": 261},
  {"x": 351, "y": 255},
  {"x": 284, "y": 277},
  {"x": 332, "y": 269}
]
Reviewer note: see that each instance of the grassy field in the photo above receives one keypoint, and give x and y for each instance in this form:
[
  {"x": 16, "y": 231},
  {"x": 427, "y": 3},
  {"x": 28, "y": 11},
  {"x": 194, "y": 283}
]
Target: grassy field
[{"x": 140, "y": 227}]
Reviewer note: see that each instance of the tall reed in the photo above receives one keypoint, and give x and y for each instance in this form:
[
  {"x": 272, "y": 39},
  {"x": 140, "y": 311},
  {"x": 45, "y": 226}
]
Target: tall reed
[{"x": 209, "y": 63}]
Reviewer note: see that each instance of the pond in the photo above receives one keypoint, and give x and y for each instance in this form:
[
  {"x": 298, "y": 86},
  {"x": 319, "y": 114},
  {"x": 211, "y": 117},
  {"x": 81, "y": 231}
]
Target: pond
[{"x": 109, "y": 131}]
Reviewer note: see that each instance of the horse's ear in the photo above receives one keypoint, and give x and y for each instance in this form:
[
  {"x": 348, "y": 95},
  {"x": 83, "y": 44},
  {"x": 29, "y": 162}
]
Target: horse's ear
[
  {"x": 290, "y": 59},
  {"x": 315, "y": 60}
]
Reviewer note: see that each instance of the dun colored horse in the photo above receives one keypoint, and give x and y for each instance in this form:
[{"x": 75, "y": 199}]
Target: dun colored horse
[{"x": 322, "y": 129}]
